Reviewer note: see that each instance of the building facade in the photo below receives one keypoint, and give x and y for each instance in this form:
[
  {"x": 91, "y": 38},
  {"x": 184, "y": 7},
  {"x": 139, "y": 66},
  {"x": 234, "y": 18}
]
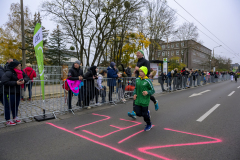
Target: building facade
[{"x": 189, "y": 52}]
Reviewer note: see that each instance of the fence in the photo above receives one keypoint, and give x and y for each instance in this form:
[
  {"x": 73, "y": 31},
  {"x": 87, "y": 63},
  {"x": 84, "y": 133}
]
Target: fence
[{"x": 91, "y": 94}]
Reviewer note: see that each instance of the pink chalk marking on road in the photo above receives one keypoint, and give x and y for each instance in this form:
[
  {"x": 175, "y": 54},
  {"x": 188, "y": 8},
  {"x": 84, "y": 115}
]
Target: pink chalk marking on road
[
  {"x": 144, "y": 149},
  {"x": 131, "y": 136},
  {"x": 119, "y": 129},
  {"x": 102, "y": 144},
  {"x": 95, "y": 121}
]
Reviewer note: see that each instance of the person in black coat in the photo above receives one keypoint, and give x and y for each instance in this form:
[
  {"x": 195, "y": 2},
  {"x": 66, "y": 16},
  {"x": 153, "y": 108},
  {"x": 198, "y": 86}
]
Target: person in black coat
[
  {"x": 89, "y": 86},
  {"x": 75, "y": 73},
  {"x": 163, "y": 78},
  {"x": 128, "y": 71},
  {"x": 1, "y": 85},
  {"x": 13, "y": 80}
]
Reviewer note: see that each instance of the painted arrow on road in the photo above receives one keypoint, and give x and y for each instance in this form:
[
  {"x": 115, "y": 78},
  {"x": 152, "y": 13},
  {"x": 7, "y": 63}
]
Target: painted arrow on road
[{"x": 199, "y": 94}]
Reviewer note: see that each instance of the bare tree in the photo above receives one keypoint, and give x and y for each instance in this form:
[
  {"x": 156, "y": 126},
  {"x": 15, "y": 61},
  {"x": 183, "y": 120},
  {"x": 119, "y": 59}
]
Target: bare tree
[
  {"x": 91, "y": 23},
  {"x": 161, "y": 22}
]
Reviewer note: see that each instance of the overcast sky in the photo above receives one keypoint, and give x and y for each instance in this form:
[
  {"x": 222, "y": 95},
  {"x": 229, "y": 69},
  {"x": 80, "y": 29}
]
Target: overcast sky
[{"x": 221, "y": 17}]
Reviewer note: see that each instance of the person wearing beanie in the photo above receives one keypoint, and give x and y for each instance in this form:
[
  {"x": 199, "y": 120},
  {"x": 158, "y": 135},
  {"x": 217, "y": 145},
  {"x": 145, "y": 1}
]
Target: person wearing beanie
[
  {"x": 13, "y": 80},
  {"x": 31, "y": 74},
  {"x": 75, "y": 73},
  {"x": 142, "y": 92},
  {"x": 111, "y": 81}
]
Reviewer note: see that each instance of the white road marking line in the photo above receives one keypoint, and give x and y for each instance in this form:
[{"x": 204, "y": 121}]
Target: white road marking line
[
  {"x": 238, "y": 87},
  {"x": 208, "y": 113},
  {"x": 231, "y": 93}
]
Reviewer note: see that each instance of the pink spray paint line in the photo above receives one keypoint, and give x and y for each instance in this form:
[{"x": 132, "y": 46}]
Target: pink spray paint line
[
  {"x": 144, "y": 149},
  {"x": 107, "y": 117},
  {"x": 131, "y": 136},
  {"x": 119, "y": 129},
  {"x": 102, "y": 144}
]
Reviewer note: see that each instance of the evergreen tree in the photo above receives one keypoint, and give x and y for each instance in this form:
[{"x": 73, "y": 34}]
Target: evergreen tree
[
  {"x": 30, "y": 54},
  {"x": 57, "y": 47}
]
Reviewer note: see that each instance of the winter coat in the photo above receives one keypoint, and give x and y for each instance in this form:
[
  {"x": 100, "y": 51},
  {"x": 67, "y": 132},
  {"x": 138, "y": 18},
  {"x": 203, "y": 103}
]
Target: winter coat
[
  {"x": 9, "y": 79},
  {"x": 6, "y": 66},
  {"x": 143, "y": 85},
  {"x": 30, "y": 73},
  {"x": 74, "y": 73},
  {"x": 89, "y": 85},
  {"x": 1, "y": 85},
  {"x": 143, "y": 62},
  {"x": 163, "y": 77},
  {"x": 195, "y": 75},
  {"x": 111, "y": 75},
  {"x": 183, "y": 72},
  {"x": 129, "y": 72}
]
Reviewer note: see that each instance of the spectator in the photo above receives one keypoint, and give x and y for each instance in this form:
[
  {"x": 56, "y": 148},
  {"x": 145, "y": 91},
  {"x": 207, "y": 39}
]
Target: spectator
[
  {"x": 235, "y": 76},
  {"x": 13, "y": 80},
  {"x": 128, "y": 71},
  {"x": 187, "y": 77},
  {"x": 75, "y": 73},
  {"x": 163, "y": 78},
  {"x": 175, "y": 79},
  {"x": 111, "y": 82},
  {"x": 2, "y": 100},
  {"x": 102, "y": 89},
  {"x": 199, "y": 77},
  {"x": 89, "y": 87},
  {"x": 184, "y": 77},
  {"x": 195, "y": 76},
  {"x": 31, "y": 74},
  {"x": 169, "y": 79},
  {"x": 6, "y": 65},
  {"x": 121, "y": 83}
]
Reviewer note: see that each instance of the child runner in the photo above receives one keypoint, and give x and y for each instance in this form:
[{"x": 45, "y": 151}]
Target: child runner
[{"x": 142, "y": 92}]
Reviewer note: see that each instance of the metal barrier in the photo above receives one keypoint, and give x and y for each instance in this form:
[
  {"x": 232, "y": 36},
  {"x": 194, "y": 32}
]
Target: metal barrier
[{"x": 26, "y": 103}]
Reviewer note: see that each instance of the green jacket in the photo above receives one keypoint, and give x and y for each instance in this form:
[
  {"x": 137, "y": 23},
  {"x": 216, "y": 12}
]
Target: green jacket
[{"x": 143, "y": 85}]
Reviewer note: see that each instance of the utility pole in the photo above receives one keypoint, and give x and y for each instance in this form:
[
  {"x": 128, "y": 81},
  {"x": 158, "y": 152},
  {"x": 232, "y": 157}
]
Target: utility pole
[{"x": 23, "y": 38}]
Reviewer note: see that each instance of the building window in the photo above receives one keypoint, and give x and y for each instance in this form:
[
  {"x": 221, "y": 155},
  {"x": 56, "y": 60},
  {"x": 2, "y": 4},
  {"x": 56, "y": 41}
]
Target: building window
[
  {"x": 168, "y": 46},
  {"x": 182, "y": 52},
  {"x": 177, "y": 60},
  {"x": 163, "y": 53},
  {"x": 159, "y": 53},
  {"x": 177, "y": 52},
  {"x": 172, "y": 53},
  {"x": 177, "y": 44},
  {"x": 181, "y": 60},
  {"x": 182, "y": 44},
  {"x": 163, "y": 46},
  {"x": 172, "y": 45},
  {"x": 168, "y": 53}
]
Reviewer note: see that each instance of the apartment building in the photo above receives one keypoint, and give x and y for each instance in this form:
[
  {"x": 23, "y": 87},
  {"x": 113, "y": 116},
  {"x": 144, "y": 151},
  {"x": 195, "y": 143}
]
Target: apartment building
[{"x": 190, "y": 52}]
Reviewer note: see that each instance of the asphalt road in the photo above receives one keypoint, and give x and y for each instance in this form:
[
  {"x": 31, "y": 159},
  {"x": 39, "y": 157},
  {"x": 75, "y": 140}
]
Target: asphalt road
[{"x": 201, "y": 127}]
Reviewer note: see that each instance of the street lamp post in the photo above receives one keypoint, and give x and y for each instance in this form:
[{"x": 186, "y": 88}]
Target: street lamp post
[{"x": 213, "y": 55}]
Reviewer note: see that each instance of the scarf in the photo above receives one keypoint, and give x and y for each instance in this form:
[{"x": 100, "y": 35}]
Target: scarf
[
  {"x": 19, "y": 75},
  {"x": 143, "y": 78}
]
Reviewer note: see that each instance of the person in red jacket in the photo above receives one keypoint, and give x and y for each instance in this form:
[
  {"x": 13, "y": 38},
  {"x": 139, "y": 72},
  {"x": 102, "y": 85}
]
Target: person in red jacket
[{"x": 31, "y": 74}]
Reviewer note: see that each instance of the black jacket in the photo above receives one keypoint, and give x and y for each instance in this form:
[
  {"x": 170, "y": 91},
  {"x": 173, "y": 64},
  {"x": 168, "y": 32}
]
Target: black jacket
[
  {"x": 89, "y": 87},
  {"x": 143, "y": 62},
  {"x": 1, "y": 85},
  {"x": 9, "y": 79},
  {"x": 164, "y": 77},
  {"x": 128, "y": 72},
  {"x": 74, "y": 73}
]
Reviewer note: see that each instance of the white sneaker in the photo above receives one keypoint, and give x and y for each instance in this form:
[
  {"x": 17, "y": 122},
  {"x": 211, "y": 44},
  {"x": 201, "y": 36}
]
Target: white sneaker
[
  {"x": 88, "y": 107},
  {"x": 98, "y": 104}
]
